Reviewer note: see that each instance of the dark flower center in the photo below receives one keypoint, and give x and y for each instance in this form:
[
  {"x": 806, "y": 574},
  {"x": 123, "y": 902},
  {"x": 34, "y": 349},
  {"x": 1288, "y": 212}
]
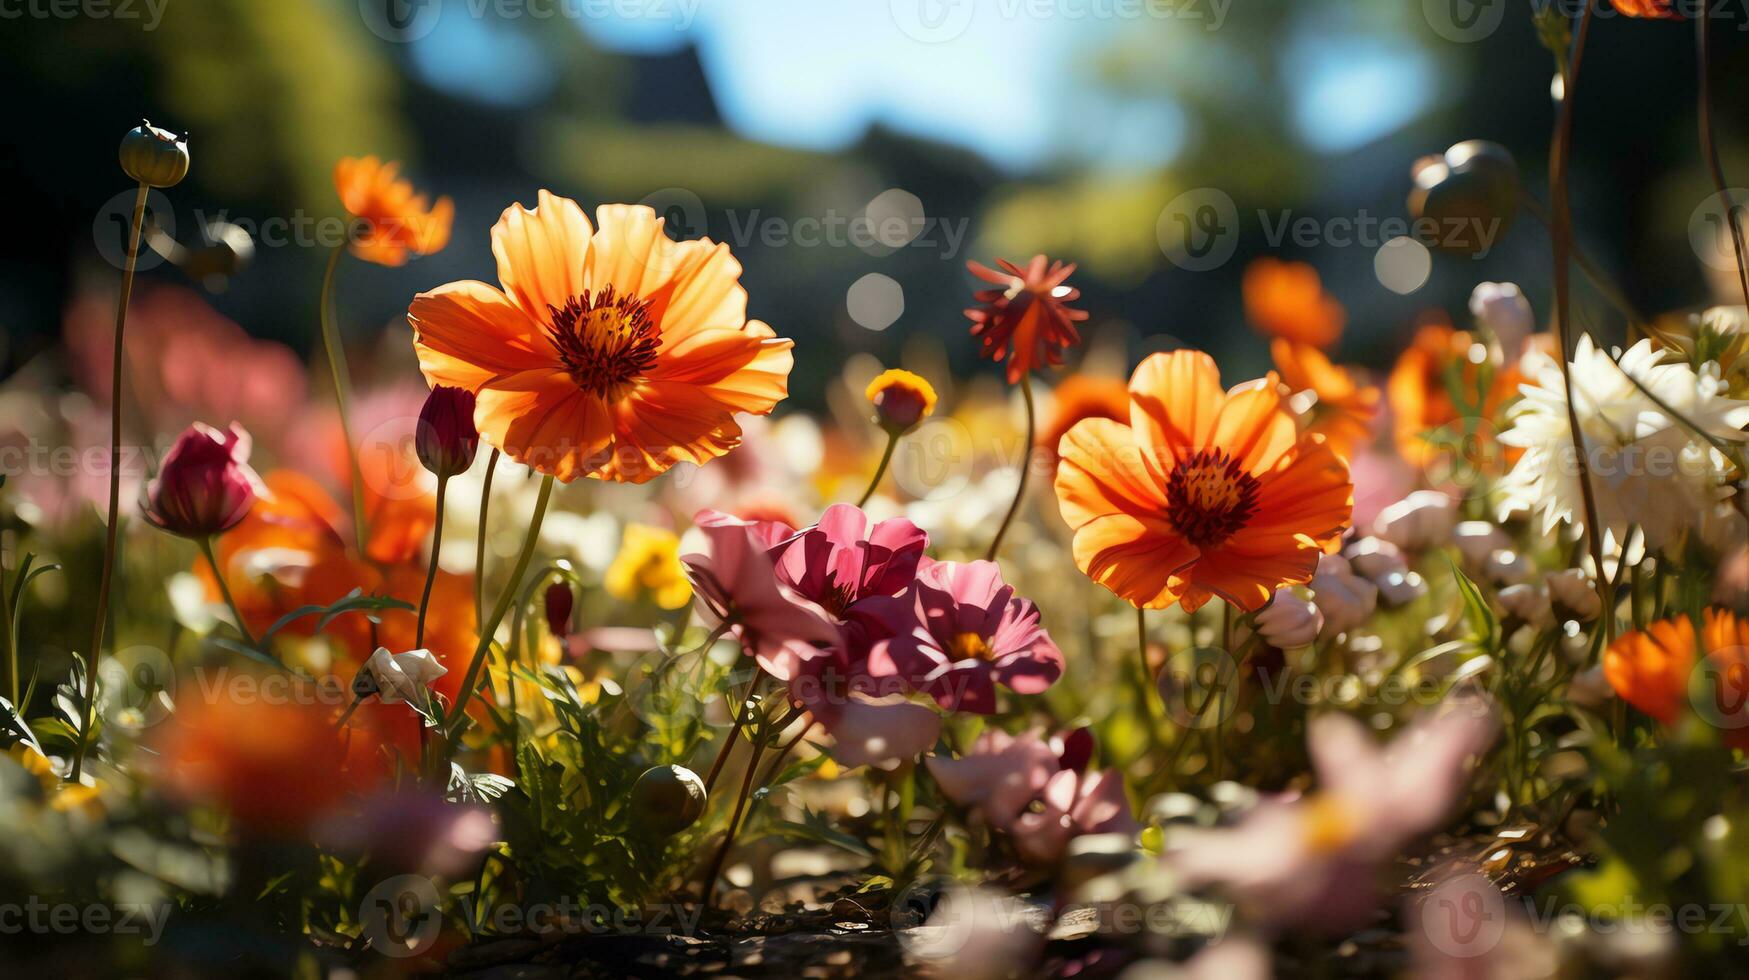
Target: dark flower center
[
  {"x": 605, "y": 341},
  {"x": 1208, "y": 497}
]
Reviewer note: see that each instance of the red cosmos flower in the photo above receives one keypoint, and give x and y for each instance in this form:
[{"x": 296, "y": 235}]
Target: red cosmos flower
[
  {"x": 1651, "y": 9},
  {"x": 205, "y": 485},
  {"x": 1026, "y": 320}
]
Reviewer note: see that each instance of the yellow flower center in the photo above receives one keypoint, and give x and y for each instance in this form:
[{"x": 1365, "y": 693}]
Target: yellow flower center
[
  {"x": 1208, "y": 497},
  {"x": 969, "y": 646},
  {"x": 606, "y": 341},
  {"x": 1329, "y": 824}
]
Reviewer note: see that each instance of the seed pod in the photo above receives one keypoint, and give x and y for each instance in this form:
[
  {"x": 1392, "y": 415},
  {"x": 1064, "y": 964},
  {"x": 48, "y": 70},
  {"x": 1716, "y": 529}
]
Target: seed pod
[
  {"x": 667, "y": 799},
  {"x": 155, "y": 157}
]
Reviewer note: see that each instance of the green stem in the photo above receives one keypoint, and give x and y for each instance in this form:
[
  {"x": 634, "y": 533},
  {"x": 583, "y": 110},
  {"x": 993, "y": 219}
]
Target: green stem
[
  {"x": 452, "y": 723},
  {"x": 881, "y": 470},
  {"x": 6, "y": 627},
  {"x": 342, "y": 394},
  {"x": 89, "y": 708},
  {"x": 206, "y": 548},
  {"x": 431, "y": 571},
  {"x": 710, "y": 886},
  {"x": 1147, "y": 678},
  {"x": 1025, "y": 469},
  {"x": 480, "y": 538}
]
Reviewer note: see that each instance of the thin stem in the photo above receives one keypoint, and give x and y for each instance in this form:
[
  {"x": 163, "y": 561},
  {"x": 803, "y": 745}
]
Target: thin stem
[
  {"x": 1561, "y": 234},
  {"x": 342, "y": 394},
  {"x": 710, "y": 889},
  {"x": 431, "y": 572},
  {"x": 6, "y": 626},
  {"x": 1593, "y": 272},
  {"x": 480, "y": 538},
  {"x": 490, "y": 625},
  {"x": 881, "y": 470},
  {"x": 1709, "y": 148},
  {"x": 1147, "y": 677},
  {"x": 206, "y": 548},
  {"x": 89, "y": 708},
  {"x": 1025, "y": 469}
]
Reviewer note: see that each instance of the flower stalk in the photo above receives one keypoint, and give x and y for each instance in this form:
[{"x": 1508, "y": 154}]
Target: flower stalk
[
  {"x": 342, "y": 393},
  {"x": 1025, "y": 468}
]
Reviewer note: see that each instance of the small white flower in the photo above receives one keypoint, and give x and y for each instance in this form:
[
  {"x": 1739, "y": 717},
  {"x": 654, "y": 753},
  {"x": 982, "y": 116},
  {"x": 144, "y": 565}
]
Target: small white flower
[
  {"x": 1500, "y": 307},
  {"x": 403, "y": 676},
  {"x": 1526, "y": 602},
  {"x": 1573, "y": 594},
  {"x": 1419, "y": 521},
  {"x": 1289, "y": 621},
  {"x": 1476, "y": 540},
  {"x": 1345, "y": 599}
]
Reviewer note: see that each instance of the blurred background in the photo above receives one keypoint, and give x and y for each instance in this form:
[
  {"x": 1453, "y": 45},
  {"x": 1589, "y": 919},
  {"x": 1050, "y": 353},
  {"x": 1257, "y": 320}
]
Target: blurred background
[{"x": 854, "y": 153}]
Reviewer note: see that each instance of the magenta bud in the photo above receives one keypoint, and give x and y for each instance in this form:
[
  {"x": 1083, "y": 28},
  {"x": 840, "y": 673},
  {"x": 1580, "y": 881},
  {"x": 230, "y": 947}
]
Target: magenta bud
[
  {"x": 447, "y": 440},
  {"x": 205, "y": 485},
  {"x": 559, "y": 600},
  {"x": 1075, "y": 749}
]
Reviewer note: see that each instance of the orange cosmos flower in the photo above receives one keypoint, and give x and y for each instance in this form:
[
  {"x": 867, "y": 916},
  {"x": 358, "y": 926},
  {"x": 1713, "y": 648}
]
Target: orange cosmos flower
[
  {"x": 1652, "y": 9},
  {"x": 1026, "y": 320},
  {"x": 1340, "y": 406},
  {"x": 1205, "y": 493},
  {"x": 396, "y": 221},
  {"x": 1426, "y": 421},
  {"x": 611, "y": 352},
  {"x": 1652, "y": 668},
  {"x": 1286, "y": 299}
]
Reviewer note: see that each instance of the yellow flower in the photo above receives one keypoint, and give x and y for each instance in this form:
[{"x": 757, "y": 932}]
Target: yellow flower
[
  {"x": 901, "y": 399},
  {"x": 648, "y": 566}
]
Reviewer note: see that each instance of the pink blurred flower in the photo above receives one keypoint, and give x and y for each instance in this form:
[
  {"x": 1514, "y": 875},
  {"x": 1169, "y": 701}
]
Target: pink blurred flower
[
  {"x": 1000, "y": 776},
  {"x": 959, "y": 632},
  {"x": 1072, "y": 804},
  {"x": 737, "y": 583},
  {"x": 868, "y": 717},
  {"x": 1313, "y": 862},
  {"x": 413, "y": 833},
  {"x": 205, "y": 485}
]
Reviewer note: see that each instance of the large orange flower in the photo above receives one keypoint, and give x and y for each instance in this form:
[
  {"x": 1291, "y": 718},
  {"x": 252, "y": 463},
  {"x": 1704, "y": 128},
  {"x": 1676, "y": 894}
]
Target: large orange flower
[
  {"x": 1205, "y": 493},
  {"x": 396, "y": 221},
  {"x": 1286, "y": 299},
  {"x": 1652, "y": 669},
  {"x": 1336, "y": 403},
  {"x": 611, "y": 352}
]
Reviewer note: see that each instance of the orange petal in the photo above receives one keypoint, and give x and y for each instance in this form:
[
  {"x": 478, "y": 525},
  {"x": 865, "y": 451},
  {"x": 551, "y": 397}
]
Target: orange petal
[
  {"x": 542, "y": 253},
  {"x": 469, "y": 334},
  {"x": 1134, "y": 557},
  {"x": 662, "y": 423},
  {"x": 1174, "y": 401},
  {"x": 744, "y": 370},
  {"x": 633, "y": 254},
  {"x": 1104, "y": 472},
  {"x": 544, "y": 421},
  {"x": 1253, "y": 427},
  {"x": 704, "y": 293},
  {"x": 1310, "y": 496}
]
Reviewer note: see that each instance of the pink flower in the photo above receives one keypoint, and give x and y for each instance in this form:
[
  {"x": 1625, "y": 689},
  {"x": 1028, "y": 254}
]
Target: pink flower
[
  {"x": 1072, "y": 804},
  {"x": 960, "y": 632},
  {"x": 737, "y": 583},
  {"x": 868, "y": 717},
  {"x": 1000, "y": 776},
  {"x": 1313, "y": 862},
  {"x": 842, "y": 563},
  {"x": 205, "y": 485}
]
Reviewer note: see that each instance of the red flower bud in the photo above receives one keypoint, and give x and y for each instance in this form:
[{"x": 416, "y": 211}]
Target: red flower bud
[
  {"x": 559, "y": 600},
  {"x": 447, "y": 440},
  {"x": 205, "y": 485}
]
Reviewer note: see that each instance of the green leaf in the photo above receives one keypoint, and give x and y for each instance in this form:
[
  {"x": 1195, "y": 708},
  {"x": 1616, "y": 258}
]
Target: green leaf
[{"x": 1484, "y": 626}]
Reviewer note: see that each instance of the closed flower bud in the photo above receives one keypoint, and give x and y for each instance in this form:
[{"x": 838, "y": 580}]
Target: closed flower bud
[
  {"x": 1375, "y": 559},
  {"x": 1476, "y": 540},
  {"x": 1345, "y": 599},
  {"x": 901, "y": 400},
  {"x": 205, "y": 485},
  {"x": 1289, "y": 621},
  {"x": 154, "y": 157},
  {"x": 402, "y": 676},
  {"x": 1500, "y": 308},
  {"x": 1419, "y": 521},
  {"x": 1468, "y": 197},
  {"x": 1526, "y": 603},
  {"x": 667, "y": 799},
  {"x": 1507, "y": 567},
  {"x": 447, "y": 440},
  {"x": 1572, "y": 595},
  {"x": 559, "y": 600}
]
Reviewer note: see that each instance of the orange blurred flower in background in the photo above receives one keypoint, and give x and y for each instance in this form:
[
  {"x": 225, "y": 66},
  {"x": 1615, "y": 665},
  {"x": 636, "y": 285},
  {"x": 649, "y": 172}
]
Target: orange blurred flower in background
[
  {"x": 1082, "y": 396},
  {"x": 1427, "y": 422},
  {"x": 396, "y": 221},
  {"x": 1287, "y": 300},
  {"x": 1026, "y": 320},
  {"x": 611, "y": 352},
  {"x": 1331, "y": 400},
  {"x": 1652, "y": 669},
  {"x": 1205, "y": 493},
  {"x": 1651, "y": 9}
]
